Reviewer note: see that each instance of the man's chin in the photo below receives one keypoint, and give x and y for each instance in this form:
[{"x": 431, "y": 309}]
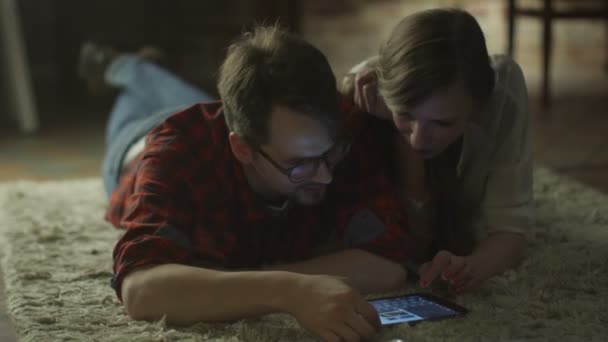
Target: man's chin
[{"x": 309, "y": 198}]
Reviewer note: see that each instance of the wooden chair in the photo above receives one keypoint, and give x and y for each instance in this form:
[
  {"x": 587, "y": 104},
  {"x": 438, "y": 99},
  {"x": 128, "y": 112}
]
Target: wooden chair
[{"x": 578, "y": 9}]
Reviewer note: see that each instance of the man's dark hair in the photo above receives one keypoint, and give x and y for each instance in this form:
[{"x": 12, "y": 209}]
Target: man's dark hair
[{"x": 269, "y": 66}]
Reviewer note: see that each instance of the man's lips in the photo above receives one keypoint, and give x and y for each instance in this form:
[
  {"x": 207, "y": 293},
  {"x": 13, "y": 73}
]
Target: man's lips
[{"x": 313, "y": 188}]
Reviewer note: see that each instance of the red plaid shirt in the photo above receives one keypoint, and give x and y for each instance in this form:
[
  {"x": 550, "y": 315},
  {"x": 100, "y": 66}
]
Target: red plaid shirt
[{"x": 185, "y": 200}]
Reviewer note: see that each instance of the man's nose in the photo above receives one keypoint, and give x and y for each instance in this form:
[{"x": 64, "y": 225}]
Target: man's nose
[{"x": 324, "y": 174}]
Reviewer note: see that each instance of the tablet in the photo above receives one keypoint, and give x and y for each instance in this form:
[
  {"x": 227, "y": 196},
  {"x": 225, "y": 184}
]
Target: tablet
[{"x": 414, "y": 308}]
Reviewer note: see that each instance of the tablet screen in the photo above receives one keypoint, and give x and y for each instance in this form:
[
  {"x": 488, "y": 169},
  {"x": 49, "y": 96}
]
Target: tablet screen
[{"x": 413, "y": 308}]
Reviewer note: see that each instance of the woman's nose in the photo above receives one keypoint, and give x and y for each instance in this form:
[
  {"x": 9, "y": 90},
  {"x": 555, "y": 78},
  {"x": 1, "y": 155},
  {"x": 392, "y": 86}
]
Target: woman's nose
[{"x": 417, "y": 139}]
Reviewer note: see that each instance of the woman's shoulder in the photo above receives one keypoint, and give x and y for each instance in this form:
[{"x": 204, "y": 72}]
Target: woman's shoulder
[
  {"x": 509, "y": 80},
  {"x": 506, "y": 116},
  {"x": 509, "y": 99}
]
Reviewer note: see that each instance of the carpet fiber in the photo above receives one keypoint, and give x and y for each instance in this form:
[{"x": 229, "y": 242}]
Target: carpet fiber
[{"x": 55, "y": 250}]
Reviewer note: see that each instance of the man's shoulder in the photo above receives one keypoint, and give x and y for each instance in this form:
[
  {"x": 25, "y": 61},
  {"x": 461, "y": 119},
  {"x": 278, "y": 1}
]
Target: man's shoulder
[
  {"x": 189, "y": 141},
  {"x": 204, "y": 114},
  {"x": 200, "y": 123}
]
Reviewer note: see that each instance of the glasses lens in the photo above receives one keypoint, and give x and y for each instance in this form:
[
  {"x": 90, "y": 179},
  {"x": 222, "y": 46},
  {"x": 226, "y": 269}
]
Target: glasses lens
[{"x": 304, "y": 171}]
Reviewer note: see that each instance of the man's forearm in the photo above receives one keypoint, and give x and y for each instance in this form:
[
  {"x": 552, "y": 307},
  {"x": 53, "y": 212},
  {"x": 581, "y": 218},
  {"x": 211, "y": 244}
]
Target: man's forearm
[
  {"x": 366, "y": 272},
  {"x": 496, "y": 254},
  {"x": 188, "y": 294}
]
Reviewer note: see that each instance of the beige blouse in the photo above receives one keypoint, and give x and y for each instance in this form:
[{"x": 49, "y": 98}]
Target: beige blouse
[{"x": 495, "y": 166}]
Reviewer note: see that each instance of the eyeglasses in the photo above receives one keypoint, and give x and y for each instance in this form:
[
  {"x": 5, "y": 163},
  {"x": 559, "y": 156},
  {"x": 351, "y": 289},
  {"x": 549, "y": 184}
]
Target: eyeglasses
[{"x": 307, "y": 168}]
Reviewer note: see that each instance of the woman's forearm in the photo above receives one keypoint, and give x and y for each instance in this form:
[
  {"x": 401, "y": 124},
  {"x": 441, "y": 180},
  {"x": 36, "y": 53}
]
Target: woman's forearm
[{"x": 496, "y": 254}]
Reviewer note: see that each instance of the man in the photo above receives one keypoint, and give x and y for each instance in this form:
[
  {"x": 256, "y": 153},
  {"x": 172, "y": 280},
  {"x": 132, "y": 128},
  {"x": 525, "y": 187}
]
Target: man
[{"x": 220, "y": 202}]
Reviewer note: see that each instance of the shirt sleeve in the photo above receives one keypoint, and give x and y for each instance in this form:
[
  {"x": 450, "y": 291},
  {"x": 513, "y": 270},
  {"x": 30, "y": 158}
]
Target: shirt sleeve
[
  {"x": 507, "y": 202},
  {"x": 158, "y": 214}
]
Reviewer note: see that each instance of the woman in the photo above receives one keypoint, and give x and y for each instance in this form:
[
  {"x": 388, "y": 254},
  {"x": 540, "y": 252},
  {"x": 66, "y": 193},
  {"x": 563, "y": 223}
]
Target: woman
[{"x": 462, "y": 143}]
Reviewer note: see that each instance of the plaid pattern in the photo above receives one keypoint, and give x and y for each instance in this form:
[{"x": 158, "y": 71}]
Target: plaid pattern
[{"x": 185, "y": 200}]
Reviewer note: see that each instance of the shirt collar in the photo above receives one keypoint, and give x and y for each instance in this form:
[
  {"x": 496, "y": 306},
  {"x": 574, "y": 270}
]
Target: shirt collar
[{"x": 476, "y": 142}]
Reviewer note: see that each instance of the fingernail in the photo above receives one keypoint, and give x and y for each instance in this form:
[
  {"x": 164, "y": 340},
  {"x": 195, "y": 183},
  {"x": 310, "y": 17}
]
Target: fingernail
[
  {"x": 423, "y": 283},
  {"x": 460, "y": 290}
]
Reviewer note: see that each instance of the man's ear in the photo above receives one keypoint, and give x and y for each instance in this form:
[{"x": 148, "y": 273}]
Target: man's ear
[{"x": 240, "y": 148}]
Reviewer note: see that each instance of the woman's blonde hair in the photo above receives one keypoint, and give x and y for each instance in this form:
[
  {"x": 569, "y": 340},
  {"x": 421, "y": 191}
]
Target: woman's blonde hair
[{"x": 429, "y": 51}]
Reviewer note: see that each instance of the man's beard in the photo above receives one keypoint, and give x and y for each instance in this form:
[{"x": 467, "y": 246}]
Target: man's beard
[{"x": 309, "y": 195}]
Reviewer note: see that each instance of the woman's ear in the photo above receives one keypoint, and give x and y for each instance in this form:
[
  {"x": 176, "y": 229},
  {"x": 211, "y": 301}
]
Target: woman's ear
[{"x": 240, "y": 148}]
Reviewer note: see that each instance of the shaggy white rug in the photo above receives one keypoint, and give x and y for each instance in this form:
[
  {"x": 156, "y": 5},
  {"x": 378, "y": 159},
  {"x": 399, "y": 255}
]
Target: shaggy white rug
[{"x": 56, "y": 259}]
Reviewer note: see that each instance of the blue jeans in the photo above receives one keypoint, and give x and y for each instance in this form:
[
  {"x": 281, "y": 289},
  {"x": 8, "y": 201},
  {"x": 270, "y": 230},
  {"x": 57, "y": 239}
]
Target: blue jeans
[{"x": 149, "y": 95}]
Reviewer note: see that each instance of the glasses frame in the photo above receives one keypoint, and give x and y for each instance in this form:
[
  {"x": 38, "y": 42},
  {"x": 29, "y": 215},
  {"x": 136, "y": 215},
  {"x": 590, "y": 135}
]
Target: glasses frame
[{"x": 288, "y": 171}]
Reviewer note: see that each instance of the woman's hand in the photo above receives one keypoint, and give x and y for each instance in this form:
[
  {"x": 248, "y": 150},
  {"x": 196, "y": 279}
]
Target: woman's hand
[
  {"x": 366, "y": 95},
  {"x": 456, "y": 271}
]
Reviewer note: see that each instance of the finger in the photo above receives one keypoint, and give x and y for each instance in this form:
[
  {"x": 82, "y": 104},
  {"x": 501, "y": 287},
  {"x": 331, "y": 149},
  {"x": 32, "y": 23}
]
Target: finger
[
  {"x": 424, "y": 268},
  {"x": 359, "y": 83},
  {"x": 369, "y": 313},
  {"x": 328, "y": 336},
  {"x": 345, "y": 333},
  {"x": 357, "y": 96},
  {"x": 361, "y": 79},
  {"x": 456, "y": 266},
  {"x": 365, "y": 76},
  {"x": 464, "y": 277},
  {"x": 361, "y": 326},
  {"x": 369, "y": 97},
  {"x": 460, "y": 278},
  {"x": 439, "y": 263}
]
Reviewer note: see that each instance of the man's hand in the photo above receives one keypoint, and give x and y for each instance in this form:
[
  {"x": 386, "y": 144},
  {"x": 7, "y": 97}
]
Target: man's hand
[
  {"x": 329, "y": 308},
  {"x": 366, "y": 94},
  {"x": 456, "y": 271}
]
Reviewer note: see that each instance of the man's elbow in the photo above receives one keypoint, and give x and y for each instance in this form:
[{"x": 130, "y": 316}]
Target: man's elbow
[{"x": 137, "y": 299}]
